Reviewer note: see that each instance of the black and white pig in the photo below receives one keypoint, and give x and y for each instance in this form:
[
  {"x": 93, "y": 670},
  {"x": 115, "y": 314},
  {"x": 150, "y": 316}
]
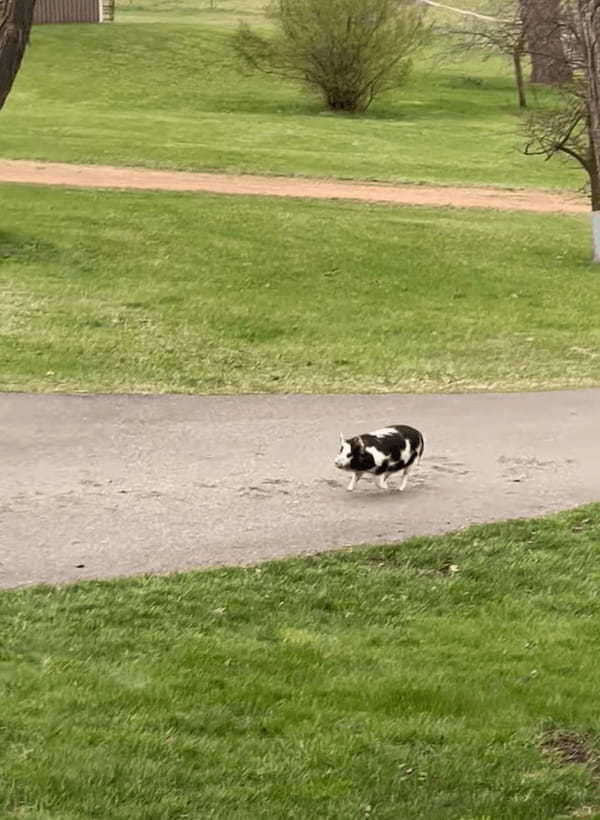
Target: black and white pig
[{"x": 381, "y": 453}]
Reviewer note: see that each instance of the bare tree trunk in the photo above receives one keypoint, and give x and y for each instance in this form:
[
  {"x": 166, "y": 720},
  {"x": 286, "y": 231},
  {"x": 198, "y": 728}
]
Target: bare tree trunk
[
  {"x": 518, "y": 67},
  {"x": 15, "y": 22},
  {"x": 595, "y": 189},
  {"x": 589, "y": 22},
  {"x": 589, "y": 35},
  {"x": 549, "y": 65}
]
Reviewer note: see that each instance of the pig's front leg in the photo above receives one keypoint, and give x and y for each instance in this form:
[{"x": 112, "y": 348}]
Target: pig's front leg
[{"x": 353, "y": 481}]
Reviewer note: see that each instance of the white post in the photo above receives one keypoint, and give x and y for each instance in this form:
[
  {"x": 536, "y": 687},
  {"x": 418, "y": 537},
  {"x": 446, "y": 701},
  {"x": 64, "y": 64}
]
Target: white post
[
  {"x": 596, "y": 234},
  {"x": 100, "y": 11}
]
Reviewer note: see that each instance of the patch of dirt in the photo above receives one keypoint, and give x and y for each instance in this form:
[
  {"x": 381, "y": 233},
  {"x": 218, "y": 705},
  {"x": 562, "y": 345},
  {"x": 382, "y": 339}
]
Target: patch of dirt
[
  {"x": 99, "y": 176},
  {"x": 586, "y": 811},
  {"x": 567, "y": 747}
]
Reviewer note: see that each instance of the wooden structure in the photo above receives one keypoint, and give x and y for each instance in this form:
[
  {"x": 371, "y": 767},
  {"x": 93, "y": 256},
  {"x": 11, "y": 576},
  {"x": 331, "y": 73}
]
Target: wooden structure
[{"x": 73, "y": 11}]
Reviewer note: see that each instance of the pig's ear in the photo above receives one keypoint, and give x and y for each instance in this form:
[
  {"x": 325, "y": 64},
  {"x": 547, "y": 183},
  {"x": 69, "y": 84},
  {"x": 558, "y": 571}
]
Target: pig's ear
[
  {"x": 342, "y": 439},
  {"x": 361, "y": 443}
]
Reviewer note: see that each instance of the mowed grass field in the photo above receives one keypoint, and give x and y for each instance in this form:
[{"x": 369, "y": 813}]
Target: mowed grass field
[
  {"x": 446, "y": 678},
  {"x": 172, "y": 96},
  {"x": 115, "y": 291}
]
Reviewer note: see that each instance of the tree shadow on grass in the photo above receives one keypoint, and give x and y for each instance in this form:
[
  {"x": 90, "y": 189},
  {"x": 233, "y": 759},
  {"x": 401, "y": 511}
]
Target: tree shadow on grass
[{"x": 452, "y": 98}]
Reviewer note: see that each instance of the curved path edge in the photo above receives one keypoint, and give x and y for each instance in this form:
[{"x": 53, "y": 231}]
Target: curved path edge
[
  {"x": 107, "y": 486},
  {"x": 104, "y": 176}
]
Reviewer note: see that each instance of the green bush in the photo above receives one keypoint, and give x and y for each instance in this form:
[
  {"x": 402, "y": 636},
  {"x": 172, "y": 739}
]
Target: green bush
[{"x": 349, "y": 51}]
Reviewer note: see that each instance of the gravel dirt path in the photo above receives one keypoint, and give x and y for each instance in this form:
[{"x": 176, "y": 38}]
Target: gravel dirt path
[
  {"x": 105, "y": 486},
  {"x": 98, "y": 176}
]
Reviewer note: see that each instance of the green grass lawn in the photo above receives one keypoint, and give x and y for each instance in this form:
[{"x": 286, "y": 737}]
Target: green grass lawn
[
  {"x": 170, "y": 96},
  {"x": 123, "y": 291},
  {"x": 229, "y": 12},
  {"x": 226, "y": 12},
  {"x": 450, "y": 677},
  {"x": 186, "y": 12}
]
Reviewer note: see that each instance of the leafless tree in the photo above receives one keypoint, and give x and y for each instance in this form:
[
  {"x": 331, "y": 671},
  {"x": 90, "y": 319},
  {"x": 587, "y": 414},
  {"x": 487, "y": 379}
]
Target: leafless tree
[
  {"x": 543, "y": 35},
  {"x": 16, "y": 17},
  {"x": 573, "y": 128},
  {"x": 588, "y": 12},
  {"x": 517, "y": 29},
  {"x": 499, "y": 31}
]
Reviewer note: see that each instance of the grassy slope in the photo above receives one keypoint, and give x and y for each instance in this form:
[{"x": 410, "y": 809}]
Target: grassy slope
[
  {"x": 142, "y": 95},
  {"x": 142, "y": 291},
  {"x": 367, "y": 684}
]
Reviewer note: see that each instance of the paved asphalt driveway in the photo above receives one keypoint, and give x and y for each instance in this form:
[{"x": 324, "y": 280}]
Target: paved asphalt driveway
[{"x": 102, "y": 486}]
